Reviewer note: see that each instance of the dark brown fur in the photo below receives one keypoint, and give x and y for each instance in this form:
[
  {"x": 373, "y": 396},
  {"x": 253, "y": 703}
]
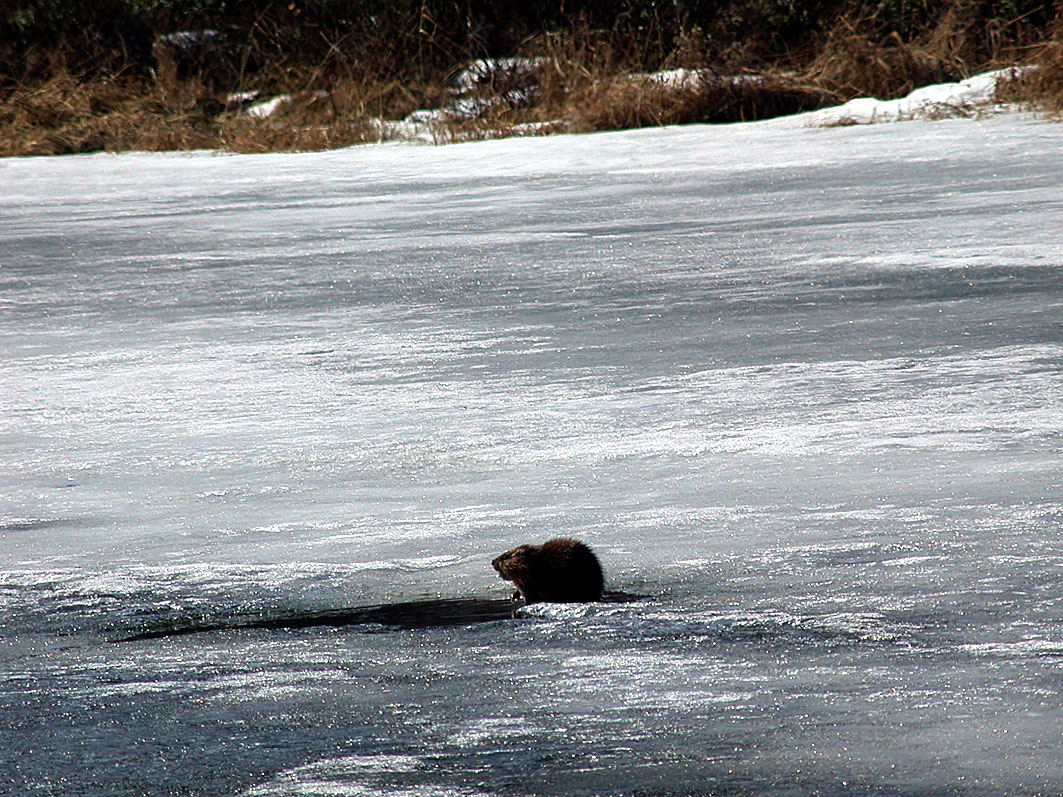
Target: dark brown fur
[{"x": 558, "y": 571}]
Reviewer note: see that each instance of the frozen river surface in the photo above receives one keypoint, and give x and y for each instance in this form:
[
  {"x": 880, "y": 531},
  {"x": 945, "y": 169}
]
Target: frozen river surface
[{"x": 802, "y": 388}]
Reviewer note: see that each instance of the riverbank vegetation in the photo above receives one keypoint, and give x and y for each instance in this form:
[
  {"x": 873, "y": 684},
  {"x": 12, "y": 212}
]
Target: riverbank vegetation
[{"x": 86, "y": 75}]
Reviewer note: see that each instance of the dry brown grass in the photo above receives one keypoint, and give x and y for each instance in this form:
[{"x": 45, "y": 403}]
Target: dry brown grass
[
  {"x": 1041, "y": 87},
  {"x": 854, "y": 59},
  {"x": 593, "y": 82},
  {"x": 585, "y": 83},
  {"x": 853, "y": 65},
  {"x": 66, "y": 115},
  {"x": 622, "y": 102}
]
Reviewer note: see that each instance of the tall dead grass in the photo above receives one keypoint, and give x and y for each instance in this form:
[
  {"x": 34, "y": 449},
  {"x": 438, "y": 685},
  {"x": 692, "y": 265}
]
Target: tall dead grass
[
  {"x": 70, "y": 113},
  {"x": 1042, "y": 86},
  {"x": 594, "y": 80},
  {"x": 588, "y": 79},
  {"x": 67, "y": 115},
  {"x": 861, "y": 55},
  {"x": 853, "y": 65}
]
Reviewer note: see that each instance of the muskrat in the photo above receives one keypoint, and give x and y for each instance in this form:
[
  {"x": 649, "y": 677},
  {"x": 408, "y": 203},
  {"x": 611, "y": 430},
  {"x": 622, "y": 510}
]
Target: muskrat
[{"x": 558, "y": 571}]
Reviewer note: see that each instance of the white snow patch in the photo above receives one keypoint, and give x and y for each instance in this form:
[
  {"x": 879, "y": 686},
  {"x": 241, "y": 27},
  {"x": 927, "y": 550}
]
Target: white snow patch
[
  {"x": 266, "y": 108},
  {"x": 483, "y": 70},
  {"x": 684, "y": 79},
  {"x": 973, "y": 96},
  {"x": 461, "y": 109},
  {"x": 678, "y": 79},
  {"x": 541, "y": 128},
  {"x": 260, "y": 110},
  {"x": 242, "y": 97},
  {"x": 185, "y": 39}
]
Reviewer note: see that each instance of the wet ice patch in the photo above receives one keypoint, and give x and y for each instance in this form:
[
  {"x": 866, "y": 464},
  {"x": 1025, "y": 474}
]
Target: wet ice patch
[
  {"x": 557, "y": 611},
  {"x": 877, "y": 514},
  {"x": 1036, "y": 647},
  {"x": 492, "y": 730},
  {"x": 640, "y": 681},
  {"x": 680, "y": 517},
  {"x": 772, "y": 627},
  {"x": 29, "y": 523},
  {"x": 254, "y": 687},
  {"x": 382, "y": 775},
  {"x": 138, "y": 688},
  {"x": 244, "y": 492},
  {"x": 951, "y": 404}
]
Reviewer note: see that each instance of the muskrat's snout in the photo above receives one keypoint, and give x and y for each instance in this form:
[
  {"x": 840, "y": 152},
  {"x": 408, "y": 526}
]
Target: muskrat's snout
[{"x": 503, "y": 564}]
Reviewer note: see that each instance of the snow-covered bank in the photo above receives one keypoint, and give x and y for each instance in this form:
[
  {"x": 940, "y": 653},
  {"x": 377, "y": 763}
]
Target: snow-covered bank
[
  {"x": 517, "y": 87},
  {"x": 975, "y": 96}
]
